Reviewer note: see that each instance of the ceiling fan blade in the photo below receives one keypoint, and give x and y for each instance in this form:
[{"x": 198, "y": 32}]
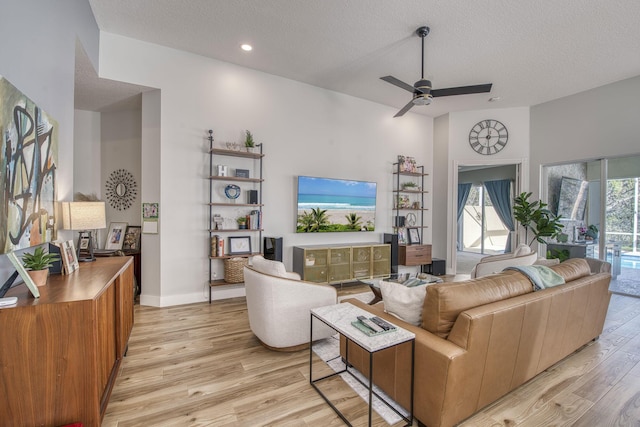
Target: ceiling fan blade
[
  {"x": 461, "y": 90},
  {"x": 399, "y": 83},
  {"x": 405, "y": 109}
]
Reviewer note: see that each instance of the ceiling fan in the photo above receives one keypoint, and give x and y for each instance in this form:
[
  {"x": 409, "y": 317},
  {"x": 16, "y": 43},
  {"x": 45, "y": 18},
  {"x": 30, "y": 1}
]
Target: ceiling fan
[{"x": 422, "y": 91}]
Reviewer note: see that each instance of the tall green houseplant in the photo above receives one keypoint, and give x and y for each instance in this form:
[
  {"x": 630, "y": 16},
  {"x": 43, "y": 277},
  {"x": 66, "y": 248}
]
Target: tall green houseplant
[{"x": 535, "y": 217}]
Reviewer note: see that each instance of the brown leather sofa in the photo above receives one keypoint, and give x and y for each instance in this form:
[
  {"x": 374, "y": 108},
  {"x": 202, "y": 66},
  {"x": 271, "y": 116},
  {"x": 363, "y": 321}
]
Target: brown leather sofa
[{"x": 482, "y": 338}]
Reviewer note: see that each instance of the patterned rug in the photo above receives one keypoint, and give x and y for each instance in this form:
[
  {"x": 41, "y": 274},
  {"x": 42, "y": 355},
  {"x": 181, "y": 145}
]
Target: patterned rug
[{"x": 626, "y": 283}]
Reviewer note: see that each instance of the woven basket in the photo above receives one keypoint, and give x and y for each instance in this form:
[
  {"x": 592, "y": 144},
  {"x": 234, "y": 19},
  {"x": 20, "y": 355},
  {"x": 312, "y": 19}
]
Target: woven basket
[{"x": 233, "y": 269}]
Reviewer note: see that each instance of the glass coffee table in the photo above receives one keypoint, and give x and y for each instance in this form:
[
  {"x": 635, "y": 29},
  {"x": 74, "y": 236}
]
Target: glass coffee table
[{"x": 408, "y": 279}]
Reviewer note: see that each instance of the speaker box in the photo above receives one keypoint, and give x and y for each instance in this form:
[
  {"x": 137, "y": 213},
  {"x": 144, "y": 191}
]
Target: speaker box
[
  {"x": 273, "y": 248},
  {"x": 56, "y": 267},
  {"x": 253, "y": 197},
  {"x": 392, "y": 239}
]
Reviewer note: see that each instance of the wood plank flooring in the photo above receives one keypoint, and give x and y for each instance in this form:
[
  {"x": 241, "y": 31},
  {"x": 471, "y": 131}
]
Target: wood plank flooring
[{"x": 200, "y": 365}]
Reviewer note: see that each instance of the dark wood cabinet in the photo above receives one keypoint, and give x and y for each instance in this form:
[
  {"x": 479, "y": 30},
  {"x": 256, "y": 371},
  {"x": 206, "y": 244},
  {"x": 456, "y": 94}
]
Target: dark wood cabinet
[
  {"x": 414, "y": 254},
  {"x": 61, "y": 353}
]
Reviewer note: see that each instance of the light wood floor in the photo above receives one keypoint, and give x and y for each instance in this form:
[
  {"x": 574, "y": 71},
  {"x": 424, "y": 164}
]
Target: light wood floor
[{"x": 200, "y": 365}]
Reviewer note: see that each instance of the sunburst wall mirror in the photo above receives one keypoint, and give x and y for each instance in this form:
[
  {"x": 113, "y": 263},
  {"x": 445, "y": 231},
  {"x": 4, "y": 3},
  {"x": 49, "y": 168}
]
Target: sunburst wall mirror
[{"x": 121, "y": 189}]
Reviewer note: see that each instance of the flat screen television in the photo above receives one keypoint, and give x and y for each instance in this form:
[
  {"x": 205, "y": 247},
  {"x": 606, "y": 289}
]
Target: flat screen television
[{"x": 331, "y": 205}]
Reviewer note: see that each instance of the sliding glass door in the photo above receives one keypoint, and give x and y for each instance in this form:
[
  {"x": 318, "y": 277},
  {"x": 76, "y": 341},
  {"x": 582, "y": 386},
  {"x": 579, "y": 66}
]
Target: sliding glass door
[
  {"x": 480, "y": 228},
  {"x": 604, "y": 219}
]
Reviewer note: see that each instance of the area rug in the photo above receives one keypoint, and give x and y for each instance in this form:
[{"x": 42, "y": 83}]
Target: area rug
[
  {"x": 364, "y": 297},
  {"x": 465, "y": 261},
  {"x": 329, "y": 351},
  {"x": 629, "y": 286}
]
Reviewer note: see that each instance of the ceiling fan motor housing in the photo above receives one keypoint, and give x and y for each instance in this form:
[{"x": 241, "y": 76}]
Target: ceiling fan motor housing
[{"x": 422, "y": 95}]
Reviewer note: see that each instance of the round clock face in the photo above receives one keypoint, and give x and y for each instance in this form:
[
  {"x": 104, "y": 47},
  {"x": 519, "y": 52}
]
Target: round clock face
[{"x": 488, "y": 137}]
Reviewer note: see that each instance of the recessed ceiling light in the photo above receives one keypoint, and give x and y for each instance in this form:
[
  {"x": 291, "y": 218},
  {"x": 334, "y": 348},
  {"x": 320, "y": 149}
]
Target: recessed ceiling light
[
  {"x": 246, "y": 47},
  {"x": 495, "y": 99}
]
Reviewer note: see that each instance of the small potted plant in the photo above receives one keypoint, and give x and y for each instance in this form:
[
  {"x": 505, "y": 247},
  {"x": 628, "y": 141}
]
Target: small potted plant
[
  {"x": 409, "y": 186},
  {"x": 249, "y": 143},
  {"x": 242, "y": 222},
  {"x": 37, "y": 265}
]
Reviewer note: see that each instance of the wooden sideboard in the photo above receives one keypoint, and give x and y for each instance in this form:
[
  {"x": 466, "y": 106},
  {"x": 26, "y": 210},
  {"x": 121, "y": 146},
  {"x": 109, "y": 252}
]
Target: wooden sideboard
[{"x": 60, "y": 354}]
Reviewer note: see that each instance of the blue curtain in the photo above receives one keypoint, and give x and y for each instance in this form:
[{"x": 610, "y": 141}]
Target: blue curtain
[
  {"x": 500, "y": 195},
  {"x": 463, "y": 195}
]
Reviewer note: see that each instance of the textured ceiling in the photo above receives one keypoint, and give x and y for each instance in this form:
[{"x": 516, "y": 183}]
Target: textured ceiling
[{"x": 532, "y": 51}]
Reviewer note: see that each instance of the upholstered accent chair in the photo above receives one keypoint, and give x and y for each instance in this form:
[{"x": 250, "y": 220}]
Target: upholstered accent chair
[
  {"x": 279, "y": 305},
  {"x": 523, "y": 255}
]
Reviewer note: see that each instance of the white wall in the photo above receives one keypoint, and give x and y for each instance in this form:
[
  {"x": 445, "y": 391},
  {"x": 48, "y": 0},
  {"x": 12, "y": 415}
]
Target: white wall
[
  {"x": 599, "y": 123},
  {"x": 121, "y": 149},
  {"x": 305, "y": 131},
  {"x": 150, "y": 192},
  {"x": 459, "y": 152},
  {"x": 38, "y": 41},
  {"x": 86, "y": 152}
]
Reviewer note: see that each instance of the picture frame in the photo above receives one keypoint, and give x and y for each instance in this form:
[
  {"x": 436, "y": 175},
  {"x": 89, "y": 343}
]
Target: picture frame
[
  {"x": 115, "y": 235},
  {"x": 414, "y": 236},
  {"x": 17, "y": 264},
  {"x": 84, "y": 242},
  {"x": 69, "y": 256},
  {"x": 131, "y": 240},
  {"x": 239, "y": 245},
  {"x": 402, "y": 236},
  {"x": 242, "y": 173}
]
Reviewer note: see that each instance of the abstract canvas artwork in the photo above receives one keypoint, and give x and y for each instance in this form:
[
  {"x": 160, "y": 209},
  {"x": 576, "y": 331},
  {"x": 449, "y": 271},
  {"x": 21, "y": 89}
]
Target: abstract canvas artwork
[{"x": 28, "y": 162}]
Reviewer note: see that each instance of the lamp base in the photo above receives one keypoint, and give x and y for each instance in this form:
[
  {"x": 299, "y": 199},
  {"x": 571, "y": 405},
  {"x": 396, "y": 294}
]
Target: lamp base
[{"x": 85, "y": 247}]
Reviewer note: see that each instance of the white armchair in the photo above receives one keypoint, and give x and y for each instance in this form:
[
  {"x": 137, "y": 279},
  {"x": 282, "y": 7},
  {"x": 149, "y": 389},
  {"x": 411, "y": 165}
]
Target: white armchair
[
  {"x": 279, "y": 306},
  {"x": 496, "y": 263}
]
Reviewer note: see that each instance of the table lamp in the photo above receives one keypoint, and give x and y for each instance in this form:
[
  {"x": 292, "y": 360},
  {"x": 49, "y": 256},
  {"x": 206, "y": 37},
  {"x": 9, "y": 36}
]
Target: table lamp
[{"x": 84, "y": 217}]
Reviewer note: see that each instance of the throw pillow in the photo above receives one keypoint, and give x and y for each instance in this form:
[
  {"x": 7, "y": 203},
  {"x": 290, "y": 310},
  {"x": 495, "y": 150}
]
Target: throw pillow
[
  {"x": 522, "y": 249},
  {"x": 274, "y": 268},
  {"x": 403, "y": 302}
]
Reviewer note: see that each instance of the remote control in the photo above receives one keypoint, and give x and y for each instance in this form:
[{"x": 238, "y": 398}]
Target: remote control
[
  {"x": 4, "y": 302},
  {"x": 382, "y": 323},
  {"x": 368, "y": 323}
]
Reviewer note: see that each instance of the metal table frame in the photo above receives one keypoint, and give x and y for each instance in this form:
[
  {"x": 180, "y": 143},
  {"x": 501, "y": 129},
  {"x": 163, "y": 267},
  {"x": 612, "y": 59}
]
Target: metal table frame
[{"x": 408, "y": 419}]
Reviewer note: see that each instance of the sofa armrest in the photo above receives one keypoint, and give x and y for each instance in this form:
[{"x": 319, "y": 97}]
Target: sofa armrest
[{"x": 439, "y": 366}]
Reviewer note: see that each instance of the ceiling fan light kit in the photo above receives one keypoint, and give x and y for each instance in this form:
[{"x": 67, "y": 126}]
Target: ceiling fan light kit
[{"x": 423, "y": 92}]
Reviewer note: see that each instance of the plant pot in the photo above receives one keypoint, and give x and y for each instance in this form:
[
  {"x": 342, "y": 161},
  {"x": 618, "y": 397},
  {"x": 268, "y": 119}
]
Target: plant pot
[
  {"x": 242, "y": 226},
  {"x": 39, "y": 277}
]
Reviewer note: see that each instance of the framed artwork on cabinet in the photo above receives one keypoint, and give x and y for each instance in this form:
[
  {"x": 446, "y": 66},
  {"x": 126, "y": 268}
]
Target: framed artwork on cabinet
[
  {"x": 115, "y": 238},
  {"x": 414, "y": 236}
]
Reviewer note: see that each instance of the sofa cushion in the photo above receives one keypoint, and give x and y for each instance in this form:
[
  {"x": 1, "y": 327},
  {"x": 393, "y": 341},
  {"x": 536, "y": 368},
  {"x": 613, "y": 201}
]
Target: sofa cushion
[
  {"x": 274, "y": 268},
  {"x": 445, "y": 301},
  {"x": 572, "y": 269},
  {"x": 404, "y": 302}
]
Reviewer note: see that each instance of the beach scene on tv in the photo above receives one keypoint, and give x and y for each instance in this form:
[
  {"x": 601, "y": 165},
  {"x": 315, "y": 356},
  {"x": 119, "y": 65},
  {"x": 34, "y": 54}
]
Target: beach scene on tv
[{"x": 328, "y": 205}]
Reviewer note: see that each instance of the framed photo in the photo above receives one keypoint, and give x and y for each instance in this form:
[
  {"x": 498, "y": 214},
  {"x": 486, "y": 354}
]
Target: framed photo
[
  {"x": 242, "y": 173},
  {"x": 69, "y": 256},
  {"x": 84, "y": 242},
  {"x": 414, "y": 236},
  {"x": 115, "y": 237},
  {"x": 132, "y": 238},
  {"x": 23, "y": 273},
  {"x": 402, "y": 236},
  {"x": 239, "y": 245}
]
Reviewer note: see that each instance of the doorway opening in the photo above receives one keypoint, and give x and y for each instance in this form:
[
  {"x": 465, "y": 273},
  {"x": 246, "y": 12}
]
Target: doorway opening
[{"x": 481, "y": 230}]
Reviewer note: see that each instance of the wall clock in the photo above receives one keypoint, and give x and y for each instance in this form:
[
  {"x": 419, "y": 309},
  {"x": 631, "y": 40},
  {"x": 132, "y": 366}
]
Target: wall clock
[
  {"x": 121, "y": 189},
  {"x": 488, "y": 137}
]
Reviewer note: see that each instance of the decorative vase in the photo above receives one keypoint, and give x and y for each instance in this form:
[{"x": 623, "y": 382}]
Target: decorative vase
[{"x": 39, "y": 277}]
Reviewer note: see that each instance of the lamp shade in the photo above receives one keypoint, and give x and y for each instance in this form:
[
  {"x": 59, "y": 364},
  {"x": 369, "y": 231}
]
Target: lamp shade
[{"x": 83, "y": 215}]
